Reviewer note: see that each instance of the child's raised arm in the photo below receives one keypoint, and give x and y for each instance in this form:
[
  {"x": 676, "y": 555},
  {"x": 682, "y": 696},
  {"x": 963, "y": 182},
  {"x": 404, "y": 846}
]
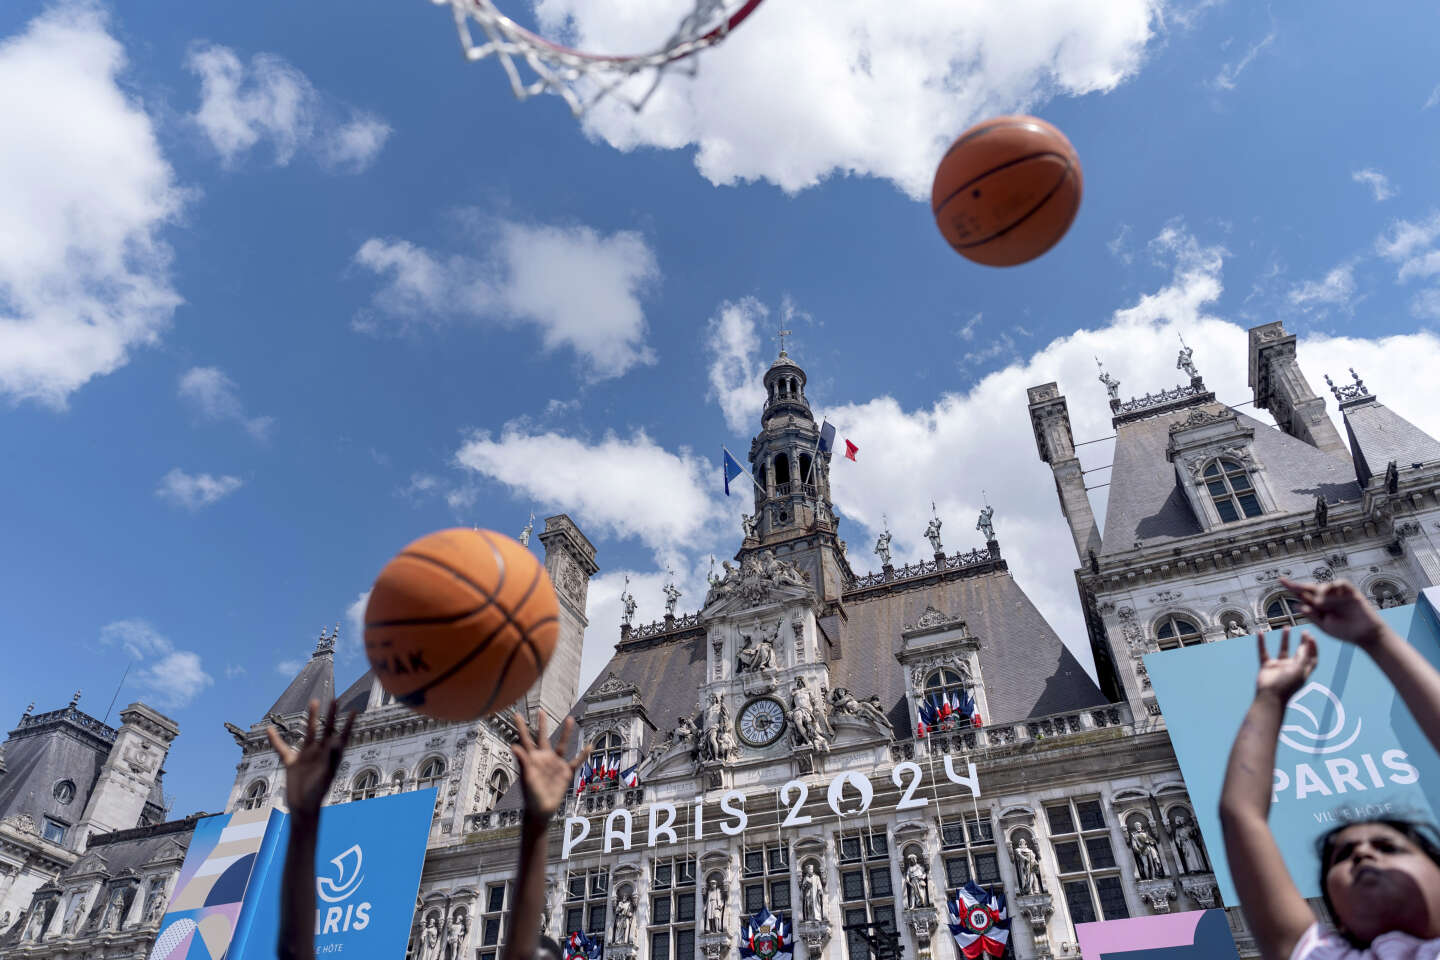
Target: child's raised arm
[
  {"x": 1342, "y": 611},
  {"x": 545, "y": 778},
  {"x": 1277, "y": 914}
]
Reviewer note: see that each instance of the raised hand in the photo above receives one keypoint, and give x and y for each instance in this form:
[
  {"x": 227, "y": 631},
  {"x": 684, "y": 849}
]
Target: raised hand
[
  {"x": 310, "y": 769},
  {"x": 1283, "y": 675},
  {"x": 1340, "y": 609},
  {"x": 545, "y": 775}
]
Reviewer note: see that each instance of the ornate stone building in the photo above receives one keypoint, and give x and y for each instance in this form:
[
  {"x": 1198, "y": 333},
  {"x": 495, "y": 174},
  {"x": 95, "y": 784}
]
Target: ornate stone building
[
  {"x": 85, "y": 862},
  {"x": 1209, "y": 507}
]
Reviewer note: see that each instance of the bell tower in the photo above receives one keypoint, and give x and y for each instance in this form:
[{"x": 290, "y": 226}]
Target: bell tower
[{"x": 793, "y": 515}]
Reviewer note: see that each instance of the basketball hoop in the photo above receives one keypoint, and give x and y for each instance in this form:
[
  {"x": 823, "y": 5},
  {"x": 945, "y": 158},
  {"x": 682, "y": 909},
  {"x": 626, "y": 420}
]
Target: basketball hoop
[{"x": 583, "y": 79}]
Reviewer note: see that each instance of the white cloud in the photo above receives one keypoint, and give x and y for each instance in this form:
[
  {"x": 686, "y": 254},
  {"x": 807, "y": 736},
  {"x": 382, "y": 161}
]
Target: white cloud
[
  {"x": 1413, "y": 246},
  {"x": 580, "y": 289},
  {"x": 271, "y": 100},
  {"x": 968, "y": 328},
  {"x": 170, "y": 678},
  {"x": 617, "y": 487},
  {"x": 288, "y": 668},
  {"x": 193, "y": 491},
  {"x": 877, "y": 96},
  {"x": 1119, "y": 245},
  {"x": 1336, "y": 289},
  {"x": 1433, "y": 99},
  {"x": 1378, "y": 183},
  {"x": 84, "y": 274},
  {"x": 1230, "y": 72},
  {"x": 234, "y": 670},
  {"x": 733, "y": 342},
  {"x": 214, "y": 397}
]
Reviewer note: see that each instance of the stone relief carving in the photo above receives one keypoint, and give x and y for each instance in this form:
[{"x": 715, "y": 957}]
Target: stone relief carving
[
  {"x": 843, "y": 703},
  {"x": 758, "y": 656},
  {"x": 756, "y": 578}
]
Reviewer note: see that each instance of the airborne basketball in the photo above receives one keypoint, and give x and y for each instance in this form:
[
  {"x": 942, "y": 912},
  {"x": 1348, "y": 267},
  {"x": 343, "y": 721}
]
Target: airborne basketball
[
  {"x": 1007, "y": 190},
  {"x": 460, "y": 623}
]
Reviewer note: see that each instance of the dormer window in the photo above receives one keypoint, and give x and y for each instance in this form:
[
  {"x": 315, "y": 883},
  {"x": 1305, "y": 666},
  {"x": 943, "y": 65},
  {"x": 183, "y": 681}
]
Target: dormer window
[
  {"x": 1173, "y": 632},
  {"x": 1228, "y": 483}
]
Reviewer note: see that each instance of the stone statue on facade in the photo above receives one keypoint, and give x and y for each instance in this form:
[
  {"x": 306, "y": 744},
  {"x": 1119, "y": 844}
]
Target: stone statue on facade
[
  {"x": 714, "y": 907},
  {"x": 1148, "y": 865},
  {"x": 1189, "y": 844},
  {"x": 1184, "y": 362},
  {"x": 77, "y": 914},
  {"x": 545, "y": 920},
  {"x": 781, "y": 571},
  {"x": 843, "y": 702},
  {"x": 711, "y": 577},
  {"x": 672, "y": 597},
  {"x": 686, "y": 733},
  {"x": 1112, "y": 385},
  {"x": 623, "y": 929},
  {"x": 455, "y": 937},
  {"x": 805, "y": 718},
  {"x": 986, "y": 525},
  {"x": 430, "y": 940},
  {"x": 1027, "y": 868},
  {"x": 155, "y": 908},
  {"x": 748, "y": 524},
  {"x": 917, "y": 883},
  {"x": 717, "y": 743},
  {"x": 932, "y": 533},
  {"x": 758, "y": 655},
  {"x": 529, "y": 529},
  {"x": 627, "y": 601},
  {"x": 37, "y": 924},
  {"x": 1234, "y": 627},
  {"x": 882, "y": 548},
  {"x": 812, "y": 894},
  {"x": 114, "y": 912}
]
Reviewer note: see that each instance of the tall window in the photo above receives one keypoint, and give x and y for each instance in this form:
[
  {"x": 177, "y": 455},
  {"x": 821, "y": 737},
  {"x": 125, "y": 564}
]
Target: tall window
[
  {"x": 586, "y": 895},
  {"x": 672, "y": 909},
  {"x": 943, "y": 682},
  {"x": 866, "y": 892},
  {"x": 1231, "y": 490},
  {"x": 493, "y": 928},
  {"x": 1283, "y": 611},
  {"x": 767, "y": 878},
  {"x": 499, "y": 783},
  {"x": 255, "y": 795},
  {"x": 604, "y": 745},
  {"x": 969, "y": 852},
  {"x": 432, "y": 771},
  {"x": 365, "y": 785},
  {"x": 1174, "y": 631},
  {"x": 1085, "y": 859}
]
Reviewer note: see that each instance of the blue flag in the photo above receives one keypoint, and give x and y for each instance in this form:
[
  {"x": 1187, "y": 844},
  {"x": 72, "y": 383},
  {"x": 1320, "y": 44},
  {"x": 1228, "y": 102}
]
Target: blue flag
[
  {"x": 827, "y": 437},
  {"x": 732, "y": 469}
]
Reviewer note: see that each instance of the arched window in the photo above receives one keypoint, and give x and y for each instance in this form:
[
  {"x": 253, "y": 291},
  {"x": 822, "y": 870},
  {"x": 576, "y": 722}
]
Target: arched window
[
  {"x": 1173, "y": 631},
  {"x": 1283, "y": 610},
  {"x": 605, "y": 744},
  {"x": 499, "y": 783},
  {"x": 944, "y": 682},
  {"x": 782, "y": 469},
  {"x": 431, "y": 772},
  {"x": 1231, "y": 490},
  {"x": 805, "y": 469},
  {"x": 365, "y": 785},
  {"x": 255, "y": 795}
]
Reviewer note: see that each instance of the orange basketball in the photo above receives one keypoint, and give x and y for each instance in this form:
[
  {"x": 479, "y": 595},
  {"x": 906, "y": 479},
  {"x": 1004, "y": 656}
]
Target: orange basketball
[
  {"x": 1007, "y": 190},
  {"x": 461, "y": 623}
]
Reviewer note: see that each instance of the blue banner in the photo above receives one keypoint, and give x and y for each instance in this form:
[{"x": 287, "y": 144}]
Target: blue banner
[
  {"x": 367, "y": 865},
  {"x": 1348, "y": 746}
]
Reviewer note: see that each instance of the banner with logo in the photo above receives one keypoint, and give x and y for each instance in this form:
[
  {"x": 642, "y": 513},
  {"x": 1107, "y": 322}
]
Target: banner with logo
[
  {"x": 1348, "y": 746},
  {"x": 367, "y": 871},
  {"x": 1195, "y": 935}
]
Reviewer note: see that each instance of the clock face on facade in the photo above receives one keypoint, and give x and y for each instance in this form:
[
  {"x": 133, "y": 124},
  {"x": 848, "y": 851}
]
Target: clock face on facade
[{"x": 761, "y": 722}]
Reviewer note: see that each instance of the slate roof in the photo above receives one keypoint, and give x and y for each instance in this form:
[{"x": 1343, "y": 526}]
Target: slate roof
[
  {"x": 1378, "y": 435},
  {"x": 1147, "y": 503},
  {"x": 357, "y": 695},
  {"x": 315, "y": 681},
  {"x": 45, "y": 749}
]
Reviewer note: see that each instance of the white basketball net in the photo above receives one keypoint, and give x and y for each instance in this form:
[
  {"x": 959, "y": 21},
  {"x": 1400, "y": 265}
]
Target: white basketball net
[{"x": 536, "y": 65}]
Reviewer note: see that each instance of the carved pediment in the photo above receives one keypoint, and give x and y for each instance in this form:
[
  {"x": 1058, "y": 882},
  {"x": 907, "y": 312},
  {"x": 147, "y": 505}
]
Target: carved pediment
[
  {"x": 931, "y": 619},
  {"x": 610, "y": 688}
]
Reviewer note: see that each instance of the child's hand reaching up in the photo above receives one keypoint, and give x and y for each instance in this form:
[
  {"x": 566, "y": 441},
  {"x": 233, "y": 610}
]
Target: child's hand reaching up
[{"x": 1283, "y": 675}]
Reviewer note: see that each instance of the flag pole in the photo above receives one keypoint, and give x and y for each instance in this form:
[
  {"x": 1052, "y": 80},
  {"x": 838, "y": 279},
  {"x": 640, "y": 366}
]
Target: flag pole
[{"x": 747, "y": 473}]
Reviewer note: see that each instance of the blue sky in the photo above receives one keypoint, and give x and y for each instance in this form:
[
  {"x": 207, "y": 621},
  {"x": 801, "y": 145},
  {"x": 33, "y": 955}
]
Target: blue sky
[{"x": 284, "y": 286}]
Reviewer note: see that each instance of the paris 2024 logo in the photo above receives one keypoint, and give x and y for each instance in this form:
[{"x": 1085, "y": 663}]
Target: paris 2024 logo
[
  {"x": 1317, "y": 727},
  {"x": 345, "y": 912}
]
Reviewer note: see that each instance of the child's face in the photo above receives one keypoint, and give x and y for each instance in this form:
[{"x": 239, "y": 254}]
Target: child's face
[{"x": 1380, "y": 881}]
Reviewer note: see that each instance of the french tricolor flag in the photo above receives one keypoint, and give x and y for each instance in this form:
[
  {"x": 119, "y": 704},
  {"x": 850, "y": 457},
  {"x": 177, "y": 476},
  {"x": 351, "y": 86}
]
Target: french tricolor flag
[
  {"x": 928, "y": 718},
  {"x": 630, "y": 776},
  {"x": 583, "y": 778}
]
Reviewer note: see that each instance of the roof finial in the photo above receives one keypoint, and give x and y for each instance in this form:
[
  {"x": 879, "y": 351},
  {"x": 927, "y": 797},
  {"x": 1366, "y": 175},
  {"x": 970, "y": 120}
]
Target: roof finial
[
  {"x": 326, "y": 643},
  {"x": 75, "y": 699},
  {"x": 1112, "y": 385},
  {"x": 781, "y": 337},
  {"x": 529, "y": 529},
  {"x": 1350, "y": 392},
  {"x": 1184, "y": 362},
  {"x": 30, "y": 709}
]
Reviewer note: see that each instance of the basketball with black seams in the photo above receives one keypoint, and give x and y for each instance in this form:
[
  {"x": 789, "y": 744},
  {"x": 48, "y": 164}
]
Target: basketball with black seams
[
  {"x": 1007, "y": 190},
  {"x": 461, "y": 623}
]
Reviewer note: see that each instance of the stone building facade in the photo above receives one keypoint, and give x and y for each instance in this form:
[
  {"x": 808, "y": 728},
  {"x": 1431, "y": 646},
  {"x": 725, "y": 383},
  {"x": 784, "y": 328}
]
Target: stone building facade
[{"x": 1209, "y": 507}]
